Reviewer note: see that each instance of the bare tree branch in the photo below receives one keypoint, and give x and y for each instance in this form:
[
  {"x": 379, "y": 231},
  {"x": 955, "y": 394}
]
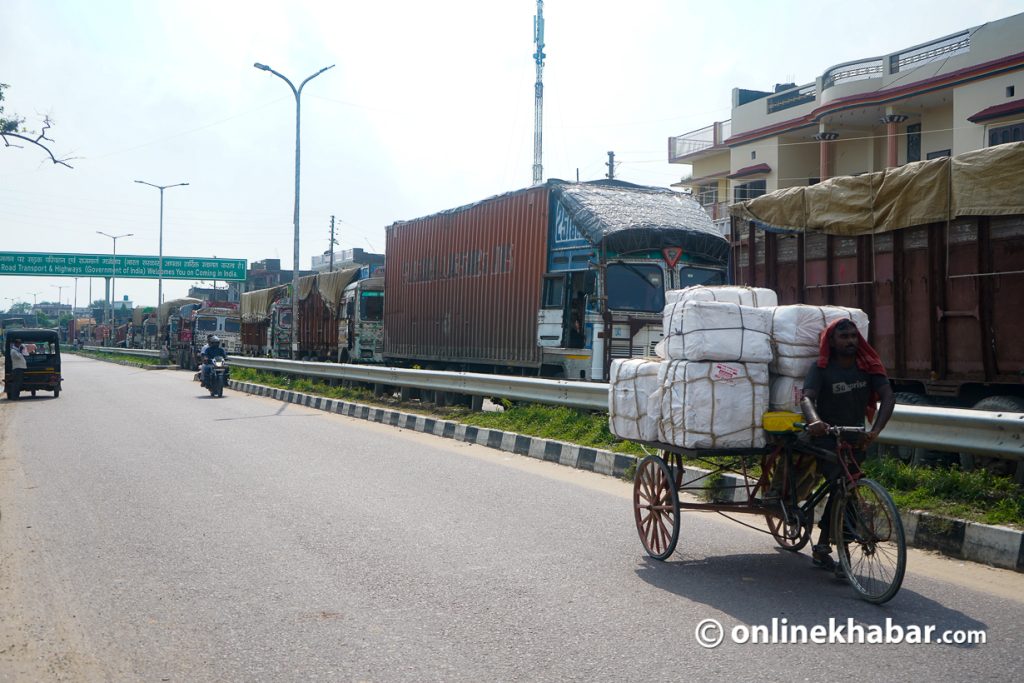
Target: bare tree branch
[{"x": 37, "y": 141}]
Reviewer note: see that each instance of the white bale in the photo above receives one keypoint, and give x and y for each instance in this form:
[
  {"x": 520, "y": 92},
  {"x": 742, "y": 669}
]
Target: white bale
[
  {"x": 756, "y": 297},
  {"x": 786, "y": 393},
  {"x": 713, "y": 405},
  {"x": 710, "y": 330},
  {"x": 633, "y": 382},
  {"x": 795, "y": 332}
]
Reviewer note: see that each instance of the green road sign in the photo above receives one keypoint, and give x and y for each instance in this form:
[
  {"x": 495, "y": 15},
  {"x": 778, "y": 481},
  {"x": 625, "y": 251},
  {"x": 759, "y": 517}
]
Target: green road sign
[{"x": 103, "y": 265}]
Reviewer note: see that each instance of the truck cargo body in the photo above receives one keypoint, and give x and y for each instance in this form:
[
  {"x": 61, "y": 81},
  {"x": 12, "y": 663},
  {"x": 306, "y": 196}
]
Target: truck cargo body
[
  {"x": 555, "y": 279},
  {"x": 943, "y": 297}
]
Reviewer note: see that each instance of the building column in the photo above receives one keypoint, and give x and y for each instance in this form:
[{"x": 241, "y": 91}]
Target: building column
[
  {"x": 892, "y": 136},
  {"x": 825, "y": 139}
]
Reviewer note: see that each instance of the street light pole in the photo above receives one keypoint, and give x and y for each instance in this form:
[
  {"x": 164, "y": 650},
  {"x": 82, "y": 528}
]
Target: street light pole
[
  {"x": 60, "y": 293},
  {"x": 295, "y": 260},
  {"x": 35, "y": 315},
  {"x": 160, "y": 286},
  {"x": 113, "y": 278}
]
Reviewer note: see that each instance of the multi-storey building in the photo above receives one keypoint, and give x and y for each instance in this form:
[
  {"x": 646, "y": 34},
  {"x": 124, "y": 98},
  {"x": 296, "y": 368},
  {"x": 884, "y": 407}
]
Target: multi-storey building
[{"x": 953, "y": 94}]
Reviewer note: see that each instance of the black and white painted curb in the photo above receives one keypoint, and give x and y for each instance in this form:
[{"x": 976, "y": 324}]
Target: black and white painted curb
[{"x": 994, "y": 545}]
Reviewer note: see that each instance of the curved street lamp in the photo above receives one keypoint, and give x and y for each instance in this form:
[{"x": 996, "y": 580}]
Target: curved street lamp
[
  {"x": 295, "y": 261},
  {"x": 160, "y": 286}
]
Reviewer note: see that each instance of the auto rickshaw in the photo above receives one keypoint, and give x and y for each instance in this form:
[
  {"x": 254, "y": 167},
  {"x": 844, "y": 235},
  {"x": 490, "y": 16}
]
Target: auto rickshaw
[{"x": 42, "y": 358}]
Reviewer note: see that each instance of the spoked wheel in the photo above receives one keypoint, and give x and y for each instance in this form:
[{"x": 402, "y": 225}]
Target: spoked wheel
[
  {"x": 872, "y": 546},
  {"x": 791, "y": 533},
  {"x": 656, "y": 507}
]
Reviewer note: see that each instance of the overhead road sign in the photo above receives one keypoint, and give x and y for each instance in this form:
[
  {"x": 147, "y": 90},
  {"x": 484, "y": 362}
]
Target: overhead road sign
[{"x": 105, "y": 265}]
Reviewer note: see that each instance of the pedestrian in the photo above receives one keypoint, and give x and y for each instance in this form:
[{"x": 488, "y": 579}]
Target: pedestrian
[
  {"x": 17, "y": 355},
  {"x": 844, "y": 385}
]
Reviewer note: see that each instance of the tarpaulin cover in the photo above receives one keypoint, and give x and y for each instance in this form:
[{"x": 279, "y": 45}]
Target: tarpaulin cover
[
  {"x": 333, "y": 283},
  {"x": 624, "y": 217},
  {"x": 256, "y": 305},
  {"x": 167, "y": 307},
  {"x": 989, "y": 182},
  {"x": 306, "y": 285},
  {"x": 984, "y": 182}
]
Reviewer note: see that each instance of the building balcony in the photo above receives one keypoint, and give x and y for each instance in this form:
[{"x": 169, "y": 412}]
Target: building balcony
[{"x": 699, "y": 143}]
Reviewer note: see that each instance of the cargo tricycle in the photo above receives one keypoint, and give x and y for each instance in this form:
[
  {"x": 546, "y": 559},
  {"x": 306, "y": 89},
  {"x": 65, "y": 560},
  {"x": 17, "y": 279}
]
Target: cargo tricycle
[{"x": 865, "y": 525}]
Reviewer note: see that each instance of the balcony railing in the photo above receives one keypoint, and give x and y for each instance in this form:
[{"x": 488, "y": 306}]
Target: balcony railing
[
  {"x": 699, "y": 140},
  {"x": 853, "y": 71},
  {"x": 793, "y": 97},
  {"x": 937, "y": 49}
]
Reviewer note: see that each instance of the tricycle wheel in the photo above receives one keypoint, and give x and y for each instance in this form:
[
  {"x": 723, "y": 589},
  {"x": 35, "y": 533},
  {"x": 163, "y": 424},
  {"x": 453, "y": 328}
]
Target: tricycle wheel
[
  {"x": 791, "y": 534},
  {"x": 868, "y": 532},
  {"x": 656, "y": 507}
]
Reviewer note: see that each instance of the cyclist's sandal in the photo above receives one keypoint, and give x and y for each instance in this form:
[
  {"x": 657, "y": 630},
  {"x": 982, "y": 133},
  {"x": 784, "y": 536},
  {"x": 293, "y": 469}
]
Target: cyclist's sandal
[{"x": 821, "y": 557}]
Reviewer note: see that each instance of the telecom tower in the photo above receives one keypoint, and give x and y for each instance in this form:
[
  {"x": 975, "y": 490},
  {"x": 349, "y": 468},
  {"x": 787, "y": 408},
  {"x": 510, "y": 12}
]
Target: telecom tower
[{"x": 538, "y": 94}]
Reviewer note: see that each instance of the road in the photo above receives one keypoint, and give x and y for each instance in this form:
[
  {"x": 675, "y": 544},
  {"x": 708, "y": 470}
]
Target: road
[{"x": 148, "y": 532}]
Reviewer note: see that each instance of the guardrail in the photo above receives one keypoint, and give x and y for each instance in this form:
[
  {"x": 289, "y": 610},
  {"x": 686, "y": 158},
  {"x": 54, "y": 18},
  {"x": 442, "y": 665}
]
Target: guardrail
[{"x": 982, "y": 432}]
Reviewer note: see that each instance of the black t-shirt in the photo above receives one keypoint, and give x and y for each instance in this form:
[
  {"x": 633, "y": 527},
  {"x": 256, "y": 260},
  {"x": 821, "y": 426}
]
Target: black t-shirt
[{"x": 843, "y": 393}]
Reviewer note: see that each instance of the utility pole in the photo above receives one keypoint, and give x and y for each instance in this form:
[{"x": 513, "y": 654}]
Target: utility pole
[
  {"x": 332, "y": 243},
  {"x": 538, "y": 94},
  {"x": 611, "y": 166}
]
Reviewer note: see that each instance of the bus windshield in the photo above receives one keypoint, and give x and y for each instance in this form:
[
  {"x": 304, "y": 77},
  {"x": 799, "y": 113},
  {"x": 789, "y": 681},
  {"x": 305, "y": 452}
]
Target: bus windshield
[{"x": 635, "y": 287}]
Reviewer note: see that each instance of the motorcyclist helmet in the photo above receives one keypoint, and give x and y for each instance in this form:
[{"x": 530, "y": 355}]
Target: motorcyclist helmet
[{"x": 214, "y": 340}]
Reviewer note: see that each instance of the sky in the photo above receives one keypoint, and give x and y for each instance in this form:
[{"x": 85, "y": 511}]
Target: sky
[{"x": 429, "y": 106}]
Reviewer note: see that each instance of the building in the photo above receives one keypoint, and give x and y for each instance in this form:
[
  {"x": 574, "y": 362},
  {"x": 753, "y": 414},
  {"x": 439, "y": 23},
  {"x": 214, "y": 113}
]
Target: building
[
  {"x": 347, "y": 258},
  {"x": 261, "y": 275},
  {"x": 950, "y": 95}
]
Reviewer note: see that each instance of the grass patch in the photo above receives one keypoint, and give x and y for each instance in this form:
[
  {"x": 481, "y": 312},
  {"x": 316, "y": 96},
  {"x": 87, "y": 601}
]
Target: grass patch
[
  {"x": 99, "y": 355},
  {"x": 978, "y": 496}
]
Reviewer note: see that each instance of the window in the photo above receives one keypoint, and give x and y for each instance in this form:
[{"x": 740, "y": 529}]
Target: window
[
  {"x": 1010, "y": 90},
  {"x": 753, "y": 155},
  {"x": 554, "y": 291},
  {"x": 232, "y": 325},
  {"x": 938, "y": 154},
  {"x": 914, "y": 142},
  {"x": 1004, "y": 134},
  {"x": 206, "y": 325},
  {"x": 707, "y": 194},
  {"x": 754, "y": 188},
  {"x": 633, "y": 287},
  {"x": 371, "y": 306}
]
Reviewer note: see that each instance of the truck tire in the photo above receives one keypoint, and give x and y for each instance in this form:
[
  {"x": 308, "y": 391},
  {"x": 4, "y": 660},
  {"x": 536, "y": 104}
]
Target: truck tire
[
  {"x": 912, "y": 455},
  {"x": 970, "y": 461}
]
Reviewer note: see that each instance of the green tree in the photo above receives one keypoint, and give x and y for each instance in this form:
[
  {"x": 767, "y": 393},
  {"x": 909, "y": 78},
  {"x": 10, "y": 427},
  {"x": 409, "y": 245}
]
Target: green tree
[{"x": 13, "y": 132}]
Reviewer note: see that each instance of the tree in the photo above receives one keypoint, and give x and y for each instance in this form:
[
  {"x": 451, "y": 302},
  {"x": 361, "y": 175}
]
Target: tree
[{"x": 13, "y": 128}]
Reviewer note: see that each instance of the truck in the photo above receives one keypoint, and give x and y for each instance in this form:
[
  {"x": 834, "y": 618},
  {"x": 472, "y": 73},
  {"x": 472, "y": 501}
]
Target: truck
[
  {"x": 319, "y": 303},
  {"x": 933, "y": 251},
  {"x": 554, "y": 280},
  {"x": 361, "y": 322},
  {"x": 220, "y": 318},
  {"x": 175, "y": 329},
  {"x": 266, "y": 322}
]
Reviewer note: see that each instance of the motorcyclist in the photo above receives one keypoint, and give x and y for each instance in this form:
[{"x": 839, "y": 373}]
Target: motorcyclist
[{"x": 212, "y": 350}]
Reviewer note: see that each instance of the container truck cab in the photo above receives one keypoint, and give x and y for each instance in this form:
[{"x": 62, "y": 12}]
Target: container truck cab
[
  {"x": 361, "y": 322},
  {"x": 222, "y": 319}
]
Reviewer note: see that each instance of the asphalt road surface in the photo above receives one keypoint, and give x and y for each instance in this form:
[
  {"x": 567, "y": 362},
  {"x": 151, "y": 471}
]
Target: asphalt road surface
[{"x": 149, "y": 532}]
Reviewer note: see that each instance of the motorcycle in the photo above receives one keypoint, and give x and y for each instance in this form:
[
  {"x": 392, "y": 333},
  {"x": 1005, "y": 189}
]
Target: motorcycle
[{"x": 217, "y": 377}]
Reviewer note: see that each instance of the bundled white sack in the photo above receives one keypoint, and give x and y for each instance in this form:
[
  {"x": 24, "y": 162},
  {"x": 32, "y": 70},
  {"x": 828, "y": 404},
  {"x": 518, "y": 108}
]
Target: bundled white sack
[
  {"x": 713, "y": 405},
  {"x": 795, "y": 331},
  {"x": 786, "y": 393},
  {"x": 756, "y": 297},
  {"x": 633, "y": 382},
  {"x": 711, "y": 330}
]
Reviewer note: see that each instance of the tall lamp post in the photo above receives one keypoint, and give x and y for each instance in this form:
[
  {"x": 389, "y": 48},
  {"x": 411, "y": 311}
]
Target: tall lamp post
[
  {"x": 295, "y": 260},
  {"x": 60, "y": 293},
  {"x": 35, "y": 315},
  {"x": 160, "y": 286},
  {"x": 113, "y": 277}
]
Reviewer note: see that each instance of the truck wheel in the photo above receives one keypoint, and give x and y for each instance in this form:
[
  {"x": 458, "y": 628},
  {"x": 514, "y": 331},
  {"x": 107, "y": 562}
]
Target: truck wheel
[{"x": 970, "y": 461}]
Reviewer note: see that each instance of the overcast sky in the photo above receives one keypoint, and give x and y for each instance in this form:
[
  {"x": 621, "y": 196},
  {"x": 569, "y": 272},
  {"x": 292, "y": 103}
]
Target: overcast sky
[{"x": 430, "y": 107}]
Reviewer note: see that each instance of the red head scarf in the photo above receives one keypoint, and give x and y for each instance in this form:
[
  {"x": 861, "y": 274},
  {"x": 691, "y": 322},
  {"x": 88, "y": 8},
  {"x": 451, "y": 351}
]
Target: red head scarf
[{"x": 867, "y": 359}]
